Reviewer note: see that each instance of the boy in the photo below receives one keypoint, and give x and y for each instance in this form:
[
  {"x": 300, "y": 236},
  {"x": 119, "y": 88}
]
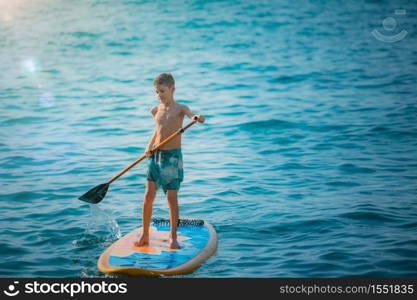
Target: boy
[{"x": 165, "y": 164}]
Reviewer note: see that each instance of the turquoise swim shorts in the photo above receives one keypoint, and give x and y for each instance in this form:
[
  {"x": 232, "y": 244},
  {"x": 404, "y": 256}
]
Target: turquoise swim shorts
[{"x": 165, "y": 168}]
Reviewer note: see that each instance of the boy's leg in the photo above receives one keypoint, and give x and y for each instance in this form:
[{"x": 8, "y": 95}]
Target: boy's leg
[
  {"x": 149, "y": 197},
  {"x": 172, "y": 197}
]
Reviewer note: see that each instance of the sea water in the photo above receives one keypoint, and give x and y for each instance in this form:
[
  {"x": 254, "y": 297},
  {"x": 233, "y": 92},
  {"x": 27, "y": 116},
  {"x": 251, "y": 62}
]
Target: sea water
[{"x": 306, "y": 165}]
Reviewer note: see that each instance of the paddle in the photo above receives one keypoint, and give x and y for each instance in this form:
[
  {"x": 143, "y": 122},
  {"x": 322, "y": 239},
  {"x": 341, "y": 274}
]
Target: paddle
[{"x": 96, "y": 194}]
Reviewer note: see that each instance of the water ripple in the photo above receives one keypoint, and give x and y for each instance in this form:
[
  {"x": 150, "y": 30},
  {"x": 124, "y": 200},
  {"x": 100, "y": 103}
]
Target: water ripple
[{"x": 305, "y": 166}]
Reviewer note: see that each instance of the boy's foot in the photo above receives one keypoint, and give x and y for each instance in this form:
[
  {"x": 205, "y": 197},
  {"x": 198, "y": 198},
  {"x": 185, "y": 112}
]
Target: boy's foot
[
  {"x": 174, "y": 244},
  {"x": 143, "y": 241}
]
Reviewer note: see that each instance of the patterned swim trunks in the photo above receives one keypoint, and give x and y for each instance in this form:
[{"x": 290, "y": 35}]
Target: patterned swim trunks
[{"x": 165, "y": 168}]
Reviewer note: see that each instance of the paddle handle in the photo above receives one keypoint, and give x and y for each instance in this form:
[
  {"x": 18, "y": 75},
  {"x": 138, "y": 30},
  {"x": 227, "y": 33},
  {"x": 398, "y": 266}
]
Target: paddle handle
[{"x": 179, "y": 131}]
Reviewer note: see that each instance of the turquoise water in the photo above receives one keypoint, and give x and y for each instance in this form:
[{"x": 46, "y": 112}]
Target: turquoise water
[{"x": 306, "y": 165}]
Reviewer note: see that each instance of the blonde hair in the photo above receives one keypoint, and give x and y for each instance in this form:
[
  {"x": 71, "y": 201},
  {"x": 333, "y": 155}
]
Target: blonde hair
[{"x": 164, "y": 79}]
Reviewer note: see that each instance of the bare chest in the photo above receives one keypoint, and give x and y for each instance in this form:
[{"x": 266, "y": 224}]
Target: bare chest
[{"x": 168, "y": 116}]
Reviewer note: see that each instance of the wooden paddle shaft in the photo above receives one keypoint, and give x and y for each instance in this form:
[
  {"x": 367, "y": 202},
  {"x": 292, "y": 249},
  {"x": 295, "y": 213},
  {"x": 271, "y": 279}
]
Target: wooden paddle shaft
[{"x": 179, "y": 131}]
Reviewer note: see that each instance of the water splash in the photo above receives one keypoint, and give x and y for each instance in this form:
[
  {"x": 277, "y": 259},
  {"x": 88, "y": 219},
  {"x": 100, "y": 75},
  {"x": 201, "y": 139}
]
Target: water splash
[
  {"x": 100, "y": 221},
  {"x": 101, "y": 231}
]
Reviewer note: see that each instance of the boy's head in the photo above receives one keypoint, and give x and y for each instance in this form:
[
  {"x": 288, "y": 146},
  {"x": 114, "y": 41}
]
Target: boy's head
[
  {"x": 164, "y": 79},
  {"x": 164, "y": 86}
]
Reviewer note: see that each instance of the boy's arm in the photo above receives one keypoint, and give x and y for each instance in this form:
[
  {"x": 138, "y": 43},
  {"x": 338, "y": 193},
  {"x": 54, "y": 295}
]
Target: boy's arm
[
  {"x": 188, "y": 113},
  {"x": 152, "y": 140},
  {"x": 150, "y": 144}
]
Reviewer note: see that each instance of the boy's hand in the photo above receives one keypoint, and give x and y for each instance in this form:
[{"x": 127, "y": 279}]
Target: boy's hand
[
  {"x": 148, "y": 152},
  {"x": 199, "y": 118}
]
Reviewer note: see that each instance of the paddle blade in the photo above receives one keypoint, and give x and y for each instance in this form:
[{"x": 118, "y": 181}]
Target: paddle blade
[{"x": 96, "y": 194}]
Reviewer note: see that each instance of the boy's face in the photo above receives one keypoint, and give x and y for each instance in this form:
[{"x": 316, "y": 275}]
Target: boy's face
[{"x": 164, "y": 92}]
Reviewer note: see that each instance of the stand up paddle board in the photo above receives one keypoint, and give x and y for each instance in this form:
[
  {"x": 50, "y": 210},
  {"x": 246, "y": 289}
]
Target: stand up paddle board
[{"x": 197, "y": 239}]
